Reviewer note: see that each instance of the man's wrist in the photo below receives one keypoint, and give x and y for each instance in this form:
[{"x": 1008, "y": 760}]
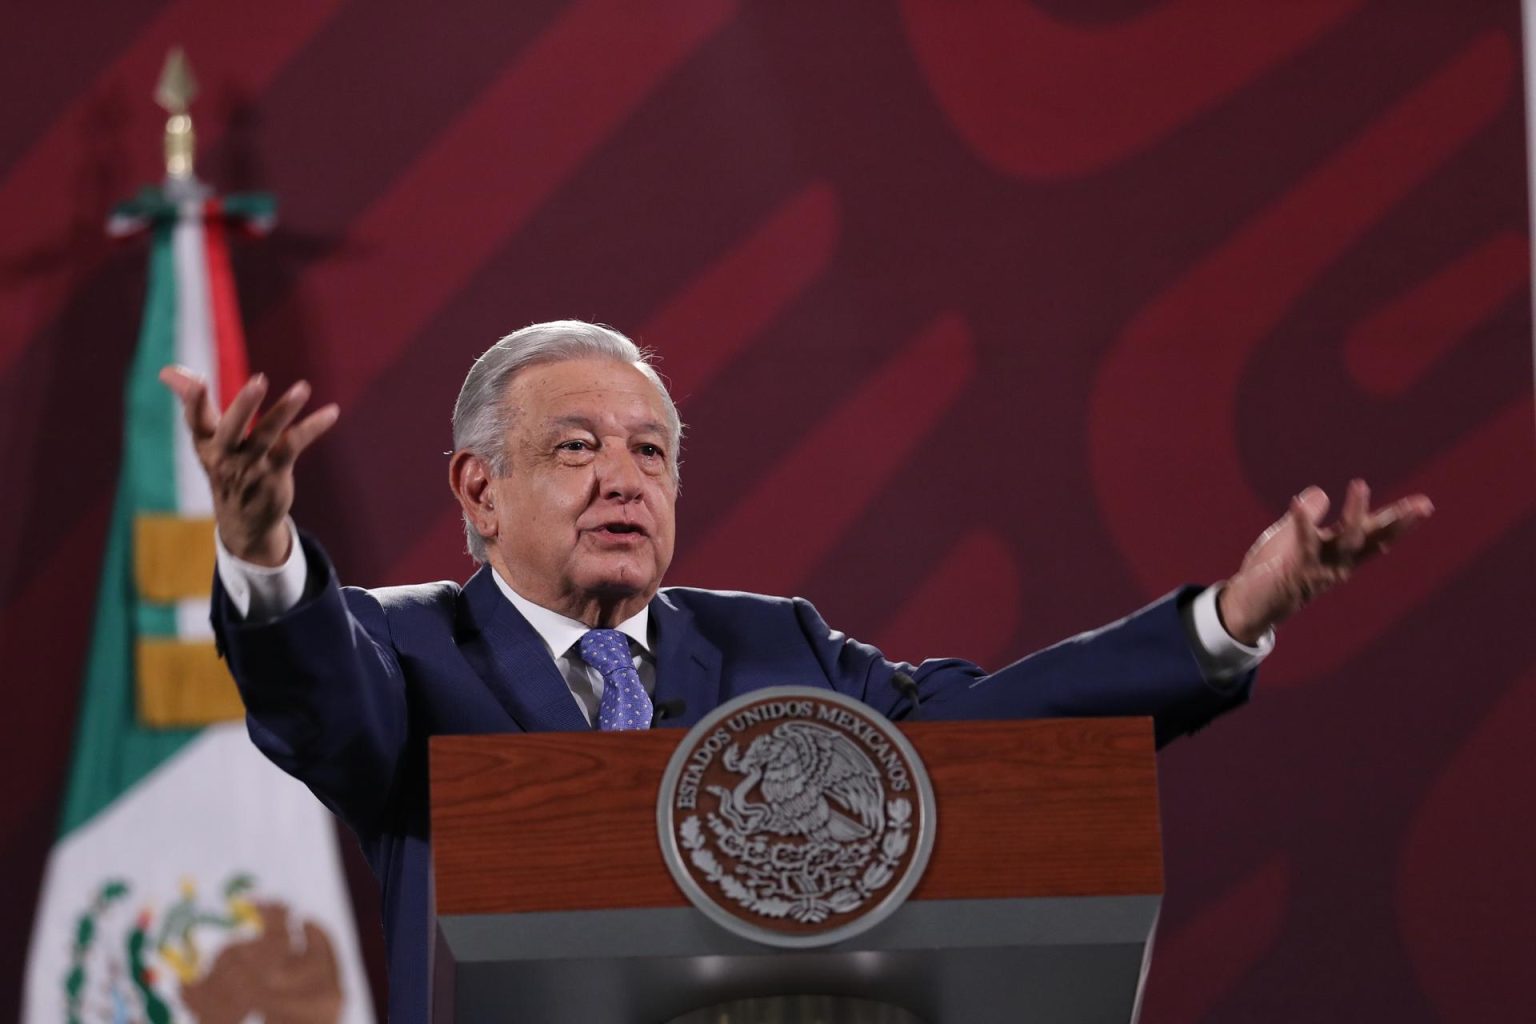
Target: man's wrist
[
  {"x": 1229, "y": 611},
  {"x": 270, "y": 550},
  {"x": 257, "y": 592},
  {"x": 1222, "y": 655}
]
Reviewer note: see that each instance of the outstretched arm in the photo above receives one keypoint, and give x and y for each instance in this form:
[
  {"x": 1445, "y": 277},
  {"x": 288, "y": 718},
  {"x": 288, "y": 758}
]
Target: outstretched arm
[
  {"x": 321, "y": 685},
  {"x": 1146, "y": 663}
]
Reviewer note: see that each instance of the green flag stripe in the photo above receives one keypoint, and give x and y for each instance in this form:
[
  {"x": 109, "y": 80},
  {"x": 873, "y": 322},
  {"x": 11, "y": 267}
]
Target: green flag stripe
[
  {"x": 155, "y": 620},
  {"x": 112, "y": 750},
  {"x": 149, "y": 476}
]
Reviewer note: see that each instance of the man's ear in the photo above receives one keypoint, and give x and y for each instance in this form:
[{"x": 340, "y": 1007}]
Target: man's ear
[{"x": 470, "y": 478}]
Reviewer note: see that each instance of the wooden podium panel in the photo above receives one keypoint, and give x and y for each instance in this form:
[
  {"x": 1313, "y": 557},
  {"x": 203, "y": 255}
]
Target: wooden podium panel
[
  {"x": 1061, "y": 807},
  {"x": 1043, "y": 886}
]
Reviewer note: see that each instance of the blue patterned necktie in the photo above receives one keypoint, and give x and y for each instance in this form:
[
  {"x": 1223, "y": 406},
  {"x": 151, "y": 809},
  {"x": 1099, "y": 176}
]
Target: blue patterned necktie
[{"x": 625, "y": 704}]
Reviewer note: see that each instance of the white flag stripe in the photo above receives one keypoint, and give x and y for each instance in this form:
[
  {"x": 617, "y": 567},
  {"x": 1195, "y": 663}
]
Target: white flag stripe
[
  {"x": 195, "y": 349},
  {"x": 192, "y": 618}
]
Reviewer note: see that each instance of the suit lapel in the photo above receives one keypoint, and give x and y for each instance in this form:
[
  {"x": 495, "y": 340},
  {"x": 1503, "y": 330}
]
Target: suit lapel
[
  {"x": 507, "y": 653},
  {"x": 687, "y": 664}
]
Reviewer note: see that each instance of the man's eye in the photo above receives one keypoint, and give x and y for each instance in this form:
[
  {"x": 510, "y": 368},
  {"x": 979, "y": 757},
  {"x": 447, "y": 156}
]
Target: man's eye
[
  {"x": 574, "y": 446},
  {"x": 650, "y": 451}
]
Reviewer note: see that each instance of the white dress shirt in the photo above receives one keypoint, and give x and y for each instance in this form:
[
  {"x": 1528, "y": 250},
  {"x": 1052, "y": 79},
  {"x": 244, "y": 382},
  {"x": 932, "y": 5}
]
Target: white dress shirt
[{"x": 261, "y": 594}]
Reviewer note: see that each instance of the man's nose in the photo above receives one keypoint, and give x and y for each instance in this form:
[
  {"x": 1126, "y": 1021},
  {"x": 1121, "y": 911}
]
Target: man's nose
[{"x": 617, "y": 475}]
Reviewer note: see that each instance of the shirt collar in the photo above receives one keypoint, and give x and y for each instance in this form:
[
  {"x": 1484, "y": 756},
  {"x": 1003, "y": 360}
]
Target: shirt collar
[{"x": 560, "y": 633}]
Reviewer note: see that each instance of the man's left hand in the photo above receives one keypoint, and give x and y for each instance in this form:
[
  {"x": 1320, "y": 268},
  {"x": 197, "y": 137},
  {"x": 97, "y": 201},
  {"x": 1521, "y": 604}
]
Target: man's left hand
[{"x": 1298, "y": 558}]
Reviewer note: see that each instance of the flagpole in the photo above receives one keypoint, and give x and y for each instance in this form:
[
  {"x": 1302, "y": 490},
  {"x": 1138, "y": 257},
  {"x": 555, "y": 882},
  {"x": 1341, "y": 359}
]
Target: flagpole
[{"x": 174, "y": 94}]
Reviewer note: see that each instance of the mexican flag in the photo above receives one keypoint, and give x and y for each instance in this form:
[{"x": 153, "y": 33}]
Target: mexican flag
[{"x": 191, "y": 879}]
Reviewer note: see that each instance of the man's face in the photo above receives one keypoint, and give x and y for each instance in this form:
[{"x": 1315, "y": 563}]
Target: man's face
[{"x": 585, "y": 512}]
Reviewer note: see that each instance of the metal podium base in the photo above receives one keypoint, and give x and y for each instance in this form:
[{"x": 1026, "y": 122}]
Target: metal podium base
[
  {"x": 1050, "y": 955},
  {"x": 799, "y": 1010}
]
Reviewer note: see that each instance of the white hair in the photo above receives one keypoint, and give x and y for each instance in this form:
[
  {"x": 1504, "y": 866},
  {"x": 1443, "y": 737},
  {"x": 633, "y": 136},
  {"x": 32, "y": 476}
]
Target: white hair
[{"x": 482, "y": 416}]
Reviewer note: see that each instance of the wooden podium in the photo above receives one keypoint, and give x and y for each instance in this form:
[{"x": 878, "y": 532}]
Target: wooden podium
[{"x": 553, "y": 903}]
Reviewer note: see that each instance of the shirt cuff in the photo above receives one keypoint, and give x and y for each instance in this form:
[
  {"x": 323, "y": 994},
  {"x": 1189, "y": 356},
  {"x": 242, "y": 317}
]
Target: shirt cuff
[
  {"x": 262, "y": 593},
  {"x": 1224, "y": 657}
]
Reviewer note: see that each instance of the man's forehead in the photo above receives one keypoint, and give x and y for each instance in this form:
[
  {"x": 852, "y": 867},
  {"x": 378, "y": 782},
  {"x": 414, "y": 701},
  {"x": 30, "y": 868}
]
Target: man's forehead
[{"x": 589, "y": 392}]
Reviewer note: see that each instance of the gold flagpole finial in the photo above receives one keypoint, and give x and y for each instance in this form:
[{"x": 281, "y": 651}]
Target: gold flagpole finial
[{"x": 174, "y": 94}]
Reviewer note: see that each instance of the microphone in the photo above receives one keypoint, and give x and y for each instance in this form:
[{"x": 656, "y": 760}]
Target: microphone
[
  {"x": 665, "y": 709},
  {"x": 908, "y": 688}
]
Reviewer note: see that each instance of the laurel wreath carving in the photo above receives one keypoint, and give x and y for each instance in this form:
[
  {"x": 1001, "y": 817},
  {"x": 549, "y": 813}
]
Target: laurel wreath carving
[{"x": 806, "y": 881}]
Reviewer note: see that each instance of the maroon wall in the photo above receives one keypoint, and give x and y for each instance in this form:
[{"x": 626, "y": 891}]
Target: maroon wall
[{"x": 991, "y": 321}]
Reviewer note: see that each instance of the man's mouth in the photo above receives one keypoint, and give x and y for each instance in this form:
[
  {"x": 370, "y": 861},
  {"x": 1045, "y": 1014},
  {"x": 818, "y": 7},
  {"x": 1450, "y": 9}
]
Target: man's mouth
[{"x": 620, "y": 528}]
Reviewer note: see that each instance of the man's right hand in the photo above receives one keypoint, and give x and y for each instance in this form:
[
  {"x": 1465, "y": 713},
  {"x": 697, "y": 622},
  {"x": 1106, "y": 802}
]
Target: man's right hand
[{"x": 250, "y": 467}]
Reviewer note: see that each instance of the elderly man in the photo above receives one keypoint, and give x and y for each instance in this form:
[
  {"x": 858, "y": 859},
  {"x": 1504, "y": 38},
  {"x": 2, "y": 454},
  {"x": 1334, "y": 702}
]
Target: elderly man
[{"x": 566, "y": 468}]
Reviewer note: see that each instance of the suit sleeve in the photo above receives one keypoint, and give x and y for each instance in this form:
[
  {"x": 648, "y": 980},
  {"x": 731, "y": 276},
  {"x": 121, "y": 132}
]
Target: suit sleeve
[
  {"x": 1143, "y": 664},
  {"x": 323, "y": 690}
]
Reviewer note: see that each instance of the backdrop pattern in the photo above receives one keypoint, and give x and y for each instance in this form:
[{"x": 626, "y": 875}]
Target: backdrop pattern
[{"x": 990, "y": 321}]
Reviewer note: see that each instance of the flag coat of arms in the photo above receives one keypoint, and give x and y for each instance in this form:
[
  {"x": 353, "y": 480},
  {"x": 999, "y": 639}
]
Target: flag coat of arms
[{"x": 191, "y": 880}]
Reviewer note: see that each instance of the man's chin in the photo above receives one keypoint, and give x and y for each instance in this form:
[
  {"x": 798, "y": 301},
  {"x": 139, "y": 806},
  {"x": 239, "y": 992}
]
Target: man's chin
[{"x": 621, "y": 583}]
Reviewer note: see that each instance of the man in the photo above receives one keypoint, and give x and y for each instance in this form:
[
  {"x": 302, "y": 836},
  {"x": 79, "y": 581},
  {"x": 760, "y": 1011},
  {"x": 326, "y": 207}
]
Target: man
[{"x": 566, "y": 469}]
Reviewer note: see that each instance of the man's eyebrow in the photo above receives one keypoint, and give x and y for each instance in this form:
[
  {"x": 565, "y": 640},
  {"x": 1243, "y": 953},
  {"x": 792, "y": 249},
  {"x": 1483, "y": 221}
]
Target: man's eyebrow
[
  {"x": 652, "y": 427},
  {"x": 586, "y": 423}
]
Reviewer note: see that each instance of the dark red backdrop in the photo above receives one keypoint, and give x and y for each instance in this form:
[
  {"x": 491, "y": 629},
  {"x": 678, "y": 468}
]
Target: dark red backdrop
[{"x": 990, "y": 320}]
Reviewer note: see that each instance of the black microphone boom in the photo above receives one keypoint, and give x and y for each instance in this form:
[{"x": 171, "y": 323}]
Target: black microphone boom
[
  {"x": 908, "y": 687},
  {"x": 665, "y": 709}
]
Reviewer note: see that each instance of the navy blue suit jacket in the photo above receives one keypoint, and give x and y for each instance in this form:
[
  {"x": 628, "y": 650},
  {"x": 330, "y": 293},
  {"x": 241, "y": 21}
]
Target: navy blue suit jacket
[{"x": 344, "y": 690}]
